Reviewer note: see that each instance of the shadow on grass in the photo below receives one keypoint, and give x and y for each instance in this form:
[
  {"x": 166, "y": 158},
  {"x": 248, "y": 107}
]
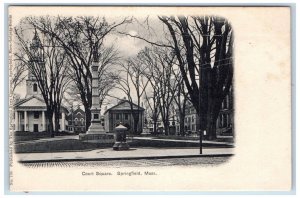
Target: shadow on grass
[{"x": 63, "y": 145}]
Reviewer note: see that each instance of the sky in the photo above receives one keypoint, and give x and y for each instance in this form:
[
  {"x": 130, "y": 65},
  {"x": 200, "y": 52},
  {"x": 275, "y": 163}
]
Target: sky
[{"x": 147, "y": 27}]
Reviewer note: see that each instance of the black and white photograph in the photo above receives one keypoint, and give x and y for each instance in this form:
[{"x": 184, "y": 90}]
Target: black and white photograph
[
  {"x": 128, "y": 92},
  {"x": 159, "y": 89}
]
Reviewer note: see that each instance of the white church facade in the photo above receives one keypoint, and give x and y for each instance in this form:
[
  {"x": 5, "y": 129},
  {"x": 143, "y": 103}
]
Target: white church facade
[
  {"x": 30, "y": 115},
  {"x": 30, "y": 112}
]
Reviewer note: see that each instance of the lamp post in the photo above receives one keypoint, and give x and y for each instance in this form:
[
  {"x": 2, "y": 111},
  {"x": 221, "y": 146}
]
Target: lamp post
[
  {"x": 200, "y": 139},
  {"x": 200, "y": 131}
]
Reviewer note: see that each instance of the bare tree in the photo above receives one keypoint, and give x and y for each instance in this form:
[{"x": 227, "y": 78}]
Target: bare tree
[
  {"x": 203, "y": 47},
  {"x": 160, "y": 62},
  {"x": 108, "y": 76},
  {"x": 207, "y": 43},
  {"x": 131, "y": 82},
  {"x": 79, "y": 37},
  {"x": 180, "y": 98},
  {"x": 45, "y": 62},
  {"x": 18, "y": 74}
]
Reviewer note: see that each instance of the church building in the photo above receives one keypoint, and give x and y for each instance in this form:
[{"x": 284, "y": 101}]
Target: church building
[{"x": 30, "y": 112}]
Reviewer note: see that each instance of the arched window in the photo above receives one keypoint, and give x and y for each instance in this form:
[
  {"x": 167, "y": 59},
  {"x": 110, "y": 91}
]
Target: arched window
[{"x": 35, "y": 87}]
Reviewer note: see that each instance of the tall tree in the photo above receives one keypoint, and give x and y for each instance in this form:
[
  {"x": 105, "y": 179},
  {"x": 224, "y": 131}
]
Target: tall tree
[
  {"x": 180, "y": 99},
  {"x": 47, "y": 64},
  {"x": 79, "y": 37},
  {"x": 132, "y": 82},
  {"x": 207, "y": 43},
  {"x": 159, "y": 62}
]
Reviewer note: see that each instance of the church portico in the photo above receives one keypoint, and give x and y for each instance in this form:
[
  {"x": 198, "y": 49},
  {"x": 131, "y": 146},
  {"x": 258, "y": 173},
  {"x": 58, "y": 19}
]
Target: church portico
[
  {"x": 34, "y": 120},
  {"x": 30, "y": 119}
]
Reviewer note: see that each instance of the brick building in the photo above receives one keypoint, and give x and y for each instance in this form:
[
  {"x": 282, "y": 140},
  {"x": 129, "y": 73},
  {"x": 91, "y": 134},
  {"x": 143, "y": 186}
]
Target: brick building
[{"x": 76, "y": 121}]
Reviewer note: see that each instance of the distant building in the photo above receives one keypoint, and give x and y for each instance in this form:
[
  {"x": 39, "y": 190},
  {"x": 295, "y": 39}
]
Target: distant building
[
  {"x": 160, "y": 129},
  {"x": 224, "y": 124},
  {"x": 30, "y": 112},
  {"x": 122, "y": 113},
  {"x": 191, "y": 120},
  {"x": 76, "y": 121}
]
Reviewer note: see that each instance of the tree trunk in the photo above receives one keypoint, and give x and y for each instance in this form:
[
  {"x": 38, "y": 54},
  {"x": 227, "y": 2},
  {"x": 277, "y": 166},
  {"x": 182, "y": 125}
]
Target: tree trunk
[
  {"x": 166, "y": 126},
  {"x": 56, "y": 121},
  {"x": 211, "y": 129},
  {"x": 88, "y": 117},
  {"x": 154, "y": 127},
  {"x": 181, "y": 124},
  {"x": 50, "y": 121}
]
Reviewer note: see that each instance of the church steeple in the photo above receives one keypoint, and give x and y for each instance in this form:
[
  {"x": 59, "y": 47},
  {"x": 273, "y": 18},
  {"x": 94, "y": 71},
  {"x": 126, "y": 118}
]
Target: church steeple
[
  {"x": 36, "y": 51},
  {"x": 36, "y": 48}
]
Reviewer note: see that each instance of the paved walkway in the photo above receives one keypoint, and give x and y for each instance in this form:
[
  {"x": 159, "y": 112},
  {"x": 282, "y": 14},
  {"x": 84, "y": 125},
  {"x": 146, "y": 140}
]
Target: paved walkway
[{"x": 133, "y": 153}]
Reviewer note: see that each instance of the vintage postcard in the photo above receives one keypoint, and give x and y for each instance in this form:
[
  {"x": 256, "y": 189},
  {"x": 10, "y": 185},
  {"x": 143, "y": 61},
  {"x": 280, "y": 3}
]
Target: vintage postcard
[{"x": 125, "y": 98}]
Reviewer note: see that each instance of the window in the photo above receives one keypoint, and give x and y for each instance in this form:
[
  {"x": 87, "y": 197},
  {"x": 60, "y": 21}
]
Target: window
[
  {"x": 225, "y": 120},
  {"x": 36, "y": 115},
  {"x": 117, "y": 116},
  {"x": 126, "y": 116},
  {"x": 76, "y": 120},
  {"x": 96, "y": 116},
  {"x": 225, "y": 103},
  {"x": 220, "y": 121},
  {"x": 34, "y": 87}
]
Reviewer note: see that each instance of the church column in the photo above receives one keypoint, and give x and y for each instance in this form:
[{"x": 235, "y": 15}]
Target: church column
[
  {"x": 25, "y": 121},
  {"x": 43, "y": 121},
  {"x": 63, "y": 121},
  {"x": 19, "y": 119},
  {"x": 16, "y": 120}
]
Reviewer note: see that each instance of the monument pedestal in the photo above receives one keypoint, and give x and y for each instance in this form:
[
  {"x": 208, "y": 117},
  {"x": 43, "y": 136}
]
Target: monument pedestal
[
  {"x": 97, "y": 134},
  {"x": 106, "y": 138},
  {"x": 95, "y": 128}
]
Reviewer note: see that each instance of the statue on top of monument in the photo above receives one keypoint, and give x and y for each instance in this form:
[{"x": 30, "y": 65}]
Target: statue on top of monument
[{"x": 95, "y": 53}]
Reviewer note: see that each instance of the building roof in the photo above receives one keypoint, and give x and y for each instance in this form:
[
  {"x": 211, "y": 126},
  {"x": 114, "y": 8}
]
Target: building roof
[
  {"x": 33, "y": 102},
  {"x": 125, "y": 105}
]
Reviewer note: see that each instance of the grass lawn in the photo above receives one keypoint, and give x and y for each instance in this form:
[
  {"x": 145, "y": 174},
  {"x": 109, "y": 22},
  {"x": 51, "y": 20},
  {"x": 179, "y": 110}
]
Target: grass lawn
[
  {"x": 63, "y": 145},
  {"x": 27, "y": 136},
  {"x": 174, "y": 137}
]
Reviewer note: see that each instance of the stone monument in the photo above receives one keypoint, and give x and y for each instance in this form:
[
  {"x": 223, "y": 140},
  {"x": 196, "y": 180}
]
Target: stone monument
[{"x": 96, "y": 132}]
